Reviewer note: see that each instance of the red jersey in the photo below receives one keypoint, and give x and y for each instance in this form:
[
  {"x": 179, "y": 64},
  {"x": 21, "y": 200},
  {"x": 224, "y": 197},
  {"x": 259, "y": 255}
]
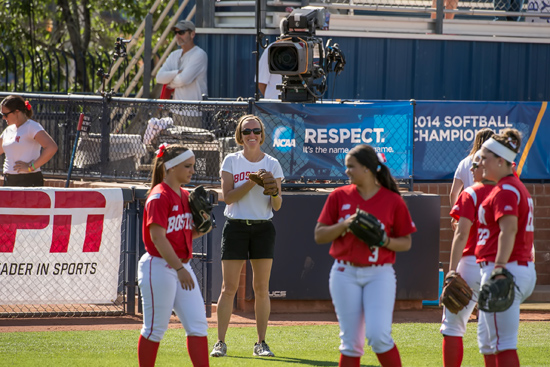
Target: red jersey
[
  {"x": 509, "y": 197},
  {"x": 165, "y": 208},
  {"x": 466, "y": 206},
  {"x": 386, "y": 205}
]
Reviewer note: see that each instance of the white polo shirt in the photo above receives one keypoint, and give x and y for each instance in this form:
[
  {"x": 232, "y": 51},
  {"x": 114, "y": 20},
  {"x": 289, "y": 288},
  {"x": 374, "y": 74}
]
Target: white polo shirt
[{"x": 19, "y": 144}]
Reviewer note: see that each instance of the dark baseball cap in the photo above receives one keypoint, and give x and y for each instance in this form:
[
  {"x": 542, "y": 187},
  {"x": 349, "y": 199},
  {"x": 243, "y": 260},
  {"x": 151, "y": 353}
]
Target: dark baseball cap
[{"x": 184, "y": 25}]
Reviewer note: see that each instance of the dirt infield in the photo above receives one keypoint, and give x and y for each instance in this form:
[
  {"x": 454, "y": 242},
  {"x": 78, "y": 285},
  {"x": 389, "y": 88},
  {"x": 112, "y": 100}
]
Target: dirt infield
[{"x": 428, "y": 315}]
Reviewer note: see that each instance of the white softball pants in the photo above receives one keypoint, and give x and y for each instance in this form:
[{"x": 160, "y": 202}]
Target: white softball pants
[
  {"x": 455, "y": 324},
  {"x": 497, "y": 331},
  {"x": 161, "y": 293},
  {"x": 363, "y": 299}
]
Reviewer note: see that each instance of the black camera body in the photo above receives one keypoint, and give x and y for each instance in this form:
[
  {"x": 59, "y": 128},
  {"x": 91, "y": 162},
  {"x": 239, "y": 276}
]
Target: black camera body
[{"x": 298, "y": 55}]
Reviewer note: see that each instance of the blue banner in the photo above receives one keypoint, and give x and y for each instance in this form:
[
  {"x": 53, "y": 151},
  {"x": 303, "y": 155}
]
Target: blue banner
[
  {"x": 445, "y": 131},
  {"x": 311, "y": 140}
]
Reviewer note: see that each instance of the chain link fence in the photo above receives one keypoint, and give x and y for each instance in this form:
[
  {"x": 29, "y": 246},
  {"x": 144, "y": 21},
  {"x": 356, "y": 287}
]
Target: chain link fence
[
  {"x": 50, "y": 281},
  {"x": 122, "y": 134}
]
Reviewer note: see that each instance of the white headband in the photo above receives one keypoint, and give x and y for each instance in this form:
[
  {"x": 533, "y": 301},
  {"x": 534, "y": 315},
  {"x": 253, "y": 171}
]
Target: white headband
[
  {"x": 500, "y": 150},
  {"x": 180, "y": 158}
]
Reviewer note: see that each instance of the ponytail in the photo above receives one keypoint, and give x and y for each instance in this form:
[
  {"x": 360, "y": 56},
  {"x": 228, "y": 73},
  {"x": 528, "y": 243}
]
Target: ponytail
[
  {"x": 384, "y": 177},
  {"x": 163, "y": 154}
]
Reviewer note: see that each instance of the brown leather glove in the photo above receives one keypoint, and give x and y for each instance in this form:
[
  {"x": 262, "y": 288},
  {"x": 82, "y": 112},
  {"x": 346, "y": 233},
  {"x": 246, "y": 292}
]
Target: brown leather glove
[{"x": 266, "y": 180}]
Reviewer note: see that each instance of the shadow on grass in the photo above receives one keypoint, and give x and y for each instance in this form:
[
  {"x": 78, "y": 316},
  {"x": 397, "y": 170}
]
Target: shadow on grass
[{"x": 308, "y": 362}]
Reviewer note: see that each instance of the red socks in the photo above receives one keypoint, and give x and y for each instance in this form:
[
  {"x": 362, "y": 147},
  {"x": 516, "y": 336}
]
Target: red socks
[
  {"x": 391, "y": 358},
  {"x": 453, "y": 351},
  {"x": 147, "y": 352},
  {"x": 490, "y": 360},
  {"x": 507, "y": 358},
  {"x": 346, "y": 361},
  {"x": 197, "y": 347}
]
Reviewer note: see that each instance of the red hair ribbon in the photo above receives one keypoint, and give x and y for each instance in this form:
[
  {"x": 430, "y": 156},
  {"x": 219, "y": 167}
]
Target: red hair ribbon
[
  {"x": 160, "y": 151},
  {"x": 381, "y": 157},
  {"x": 28, "y": 105}
]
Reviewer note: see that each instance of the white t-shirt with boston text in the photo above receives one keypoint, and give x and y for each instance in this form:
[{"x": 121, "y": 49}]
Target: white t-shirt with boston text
[
  {"x": 254, "y": 205},
  {"x": 19, "y": 144}
]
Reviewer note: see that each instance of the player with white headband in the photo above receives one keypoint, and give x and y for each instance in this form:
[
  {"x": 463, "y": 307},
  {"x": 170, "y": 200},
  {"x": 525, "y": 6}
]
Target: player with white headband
[
  {"x": 463, "y": 262},
  {"x": 165, "y": 276},
  {"x": 504, "y": 246}
]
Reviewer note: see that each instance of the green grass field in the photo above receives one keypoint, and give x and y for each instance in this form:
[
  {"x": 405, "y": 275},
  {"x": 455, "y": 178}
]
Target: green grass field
[{"x": 419, "y": 345}]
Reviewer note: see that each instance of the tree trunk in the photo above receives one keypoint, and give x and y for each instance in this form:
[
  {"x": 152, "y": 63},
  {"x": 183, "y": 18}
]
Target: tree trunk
[{"x": 79, "y": 38}]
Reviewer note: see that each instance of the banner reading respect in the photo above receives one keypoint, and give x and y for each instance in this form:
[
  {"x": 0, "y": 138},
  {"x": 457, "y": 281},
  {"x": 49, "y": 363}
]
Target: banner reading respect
[{"x": 311, "y": 140}]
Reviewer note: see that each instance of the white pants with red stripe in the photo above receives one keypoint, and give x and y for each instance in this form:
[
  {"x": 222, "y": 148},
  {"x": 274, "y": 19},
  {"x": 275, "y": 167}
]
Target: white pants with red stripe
[
  {"x": 455, "y": 324},
  {"x": 363, "y": 299},
  {"x": 498, "y": 331},
  {"x": 161, "y": 293}
]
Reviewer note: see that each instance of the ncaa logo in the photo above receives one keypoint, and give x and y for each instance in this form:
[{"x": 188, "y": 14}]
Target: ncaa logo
[{"x": 283, "y": 139}]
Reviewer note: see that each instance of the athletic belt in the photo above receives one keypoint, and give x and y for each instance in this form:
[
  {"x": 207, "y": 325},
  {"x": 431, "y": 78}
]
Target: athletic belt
[
  {"x": 356, "y": 264},
  {"x": 520, "y": 263},
  {"x": 250, "y": 222}
]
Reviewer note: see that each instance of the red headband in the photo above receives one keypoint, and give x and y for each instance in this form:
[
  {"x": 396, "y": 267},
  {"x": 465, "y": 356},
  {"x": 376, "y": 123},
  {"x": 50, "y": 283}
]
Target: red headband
[{"x": 28, "y": 105}]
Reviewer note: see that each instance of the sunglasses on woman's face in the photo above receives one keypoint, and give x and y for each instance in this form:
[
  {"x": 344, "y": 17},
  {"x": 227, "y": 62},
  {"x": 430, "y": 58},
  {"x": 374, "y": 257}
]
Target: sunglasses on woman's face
[
  {"x": 2, "y": 115},
  {"x": 256, "y": 131}
]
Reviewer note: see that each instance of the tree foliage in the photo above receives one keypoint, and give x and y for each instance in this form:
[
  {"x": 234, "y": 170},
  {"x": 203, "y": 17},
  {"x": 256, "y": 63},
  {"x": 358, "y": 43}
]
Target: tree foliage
[
  {"x": 59, "y": 23},
  {"x": 77, "y": 27}
]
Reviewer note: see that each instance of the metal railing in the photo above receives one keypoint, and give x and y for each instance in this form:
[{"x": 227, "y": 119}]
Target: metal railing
[
  {"x": 124, "y": 133},
  {"x": 498, "y": 8}
]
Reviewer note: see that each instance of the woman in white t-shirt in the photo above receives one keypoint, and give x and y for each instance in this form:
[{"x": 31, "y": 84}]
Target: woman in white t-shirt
[
  {"x": 463, "y": 177},
  {"x": 25, "y": 143},
  {"x": 248, "y": 232}
]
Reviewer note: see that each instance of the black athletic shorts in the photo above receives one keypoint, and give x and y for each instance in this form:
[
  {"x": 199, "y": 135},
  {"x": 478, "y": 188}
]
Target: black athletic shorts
[
  {"x": 252, "y": 240},
  {"x": 32, "y": 179}
]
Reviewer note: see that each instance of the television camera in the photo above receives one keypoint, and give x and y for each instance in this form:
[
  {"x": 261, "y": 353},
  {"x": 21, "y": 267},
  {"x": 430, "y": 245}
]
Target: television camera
[{"x": 299, "y": 56}]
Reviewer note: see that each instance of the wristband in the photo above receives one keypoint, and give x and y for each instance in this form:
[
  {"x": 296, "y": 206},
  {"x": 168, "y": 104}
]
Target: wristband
[
  {"x": 274, "y": 196},
  {"x": 30, "y": 169},
  {"x": 33, "y": 167},
  {"x": 179, "y": 269}
]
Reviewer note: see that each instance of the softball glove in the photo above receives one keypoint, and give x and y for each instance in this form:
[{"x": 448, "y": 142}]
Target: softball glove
[
  {"x": 497, "y": 295},
  {"x": 266, "y": 180},
  {"x": 201, "y": 209},
  {"x": 456, "y": 294},
  {"x": 368, "y": 229}
]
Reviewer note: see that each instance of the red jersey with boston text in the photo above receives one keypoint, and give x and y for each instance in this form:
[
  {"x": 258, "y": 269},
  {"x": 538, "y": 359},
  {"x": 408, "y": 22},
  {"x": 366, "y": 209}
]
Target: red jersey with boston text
[
  {"x": 509, "y": 197},
  {"x": 172, "y": 212},
  {"x": 466, "y": 206},
  {"x": 386, "y": 205}
]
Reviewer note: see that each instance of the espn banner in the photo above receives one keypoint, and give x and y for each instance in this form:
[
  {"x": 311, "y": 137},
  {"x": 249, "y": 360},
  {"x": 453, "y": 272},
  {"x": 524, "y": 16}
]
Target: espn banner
[
  {"x": 59, "y": 246},
  {"x": 311, "y": 140}
]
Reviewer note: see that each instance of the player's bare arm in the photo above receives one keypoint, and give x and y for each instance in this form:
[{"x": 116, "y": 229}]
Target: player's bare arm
[
  {"x": 399, "y": 244},
  {"x": 197, "y": 234},
  {"x": 327, "y": 233},
  {"x": 508, "y": 228},
  {"x": 459, "y": 241}
]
